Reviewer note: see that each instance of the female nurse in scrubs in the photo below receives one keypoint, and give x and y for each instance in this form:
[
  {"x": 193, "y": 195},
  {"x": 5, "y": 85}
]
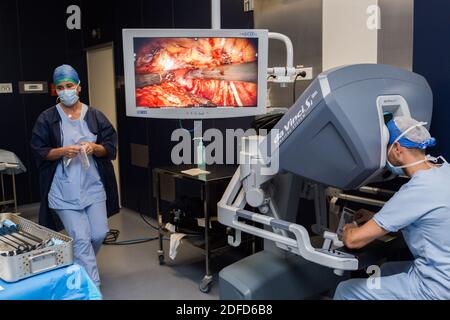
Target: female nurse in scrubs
[{"x": 80, "y": 192}]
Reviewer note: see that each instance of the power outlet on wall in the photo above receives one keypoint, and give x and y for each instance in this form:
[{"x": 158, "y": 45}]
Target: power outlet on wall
[
  {"x": 6, "y": 88},
  {"x": 308, "y": 71}
]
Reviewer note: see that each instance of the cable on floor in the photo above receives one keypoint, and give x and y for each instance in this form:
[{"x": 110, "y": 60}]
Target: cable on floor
[
  {"x": 148, "y": 223},
  {"x": 113, "y": 235}
]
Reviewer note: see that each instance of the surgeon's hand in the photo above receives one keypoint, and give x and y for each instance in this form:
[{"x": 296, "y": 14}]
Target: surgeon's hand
[
  {"x": 71, "y": 152},
  {"x": 362, "y": 216},
  {"x": 90, "y": 147},
  {"x": 357, "y": 237},
  {"x": 349, "y": 227},
  {"x": 347, "y": 235}
]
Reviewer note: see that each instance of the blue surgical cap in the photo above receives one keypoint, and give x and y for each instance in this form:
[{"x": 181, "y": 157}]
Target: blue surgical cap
[
  {"x": 418, "y": 138},
  {"x": 65, "y": 73}
]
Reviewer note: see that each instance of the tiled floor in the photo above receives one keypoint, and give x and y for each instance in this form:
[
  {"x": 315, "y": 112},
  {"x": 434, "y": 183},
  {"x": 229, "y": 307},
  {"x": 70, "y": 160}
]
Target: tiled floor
[{"x": 133, "y": 272}]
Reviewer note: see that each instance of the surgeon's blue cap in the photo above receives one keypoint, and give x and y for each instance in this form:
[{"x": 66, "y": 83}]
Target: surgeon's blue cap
[
  {"x": 395, "y": 132},
  {"x": 65, "y": 73}
]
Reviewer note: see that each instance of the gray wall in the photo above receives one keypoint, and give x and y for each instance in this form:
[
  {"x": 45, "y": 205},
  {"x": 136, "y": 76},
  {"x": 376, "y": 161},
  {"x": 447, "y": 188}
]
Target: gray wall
[
  {"x": 301, "y": 20},
  {"x": 395, "y": 39}
]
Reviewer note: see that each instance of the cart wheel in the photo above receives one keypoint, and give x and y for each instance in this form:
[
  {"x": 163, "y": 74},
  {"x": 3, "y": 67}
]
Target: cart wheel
[
  {"x": 161, "y": 260},
  {"x": 205, "y": 285}
]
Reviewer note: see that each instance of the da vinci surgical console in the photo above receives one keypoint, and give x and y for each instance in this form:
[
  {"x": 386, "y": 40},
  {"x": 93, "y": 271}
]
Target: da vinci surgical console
[{"x": 334, "y": 136}]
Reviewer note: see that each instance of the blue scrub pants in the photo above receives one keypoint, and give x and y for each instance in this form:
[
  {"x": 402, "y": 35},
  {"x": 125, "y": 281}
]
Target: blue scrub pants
[
  {"x": 396, "y": 284},
  {"x": 88, "y": 229}
]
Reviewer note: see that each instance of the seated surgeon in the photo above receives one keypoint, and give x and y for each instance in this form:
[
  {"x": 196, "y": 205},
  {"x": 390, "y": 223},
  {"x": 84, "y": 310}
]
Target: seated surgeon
[
  {"x": 421, "y": 210},
  {"x": 81, "y": 195}
]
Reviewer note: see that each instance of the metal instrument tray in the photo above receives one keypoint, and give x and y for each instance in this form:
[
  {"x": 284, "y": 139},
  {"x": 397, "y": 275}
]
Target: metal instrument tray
[{"x": 17, "y": 267}]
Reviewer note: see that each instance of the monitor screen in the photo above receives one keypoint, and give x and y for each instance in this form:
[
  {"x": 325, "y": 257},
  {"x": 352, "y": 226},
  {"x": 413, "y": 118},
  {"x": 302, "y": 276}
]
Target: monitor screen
[{"x": 195, "y": 73}]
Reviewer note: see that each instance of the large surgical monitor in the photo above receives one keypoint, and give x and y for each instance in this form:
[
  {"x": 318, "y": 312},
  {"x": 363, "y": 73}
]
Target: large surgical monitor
[{"x": 195, "y": 74}]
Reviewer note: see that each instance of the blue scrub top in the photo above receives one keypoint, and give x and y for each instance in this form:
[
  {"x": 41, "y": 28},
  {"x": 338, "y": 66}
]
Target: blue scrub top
[
  {"x": 421, "y": 210},
  {"x": 74, "y": 187}
]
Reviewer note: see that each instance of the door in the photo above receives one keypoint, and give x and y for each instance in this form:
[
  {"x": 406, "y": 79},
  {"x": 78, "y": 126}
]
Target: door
[{"x": 102, "y": 93}]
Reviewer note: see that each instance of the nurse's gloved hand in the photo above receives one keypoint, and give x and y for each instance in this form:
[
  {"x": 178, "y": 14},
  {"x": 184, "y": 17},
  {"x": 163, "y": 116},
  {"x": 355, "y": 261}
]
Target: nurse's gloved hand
[
  {"x": 89, "y": 146},
  {"x": 71, "y": 152}
]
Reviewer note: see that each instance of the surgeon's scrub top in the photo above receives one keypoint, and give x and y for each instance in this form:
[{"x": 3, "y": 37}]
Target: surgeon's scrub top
[
  {"x": 75, "y": 187},
  {"x": 421, "y": 210}
]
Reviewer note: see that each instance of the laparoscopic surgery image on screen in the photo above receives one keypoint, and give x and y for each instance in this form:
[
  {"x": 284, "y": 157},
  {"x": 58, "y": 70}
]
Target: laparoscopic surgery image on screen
[{"x": 196, "y": 72}]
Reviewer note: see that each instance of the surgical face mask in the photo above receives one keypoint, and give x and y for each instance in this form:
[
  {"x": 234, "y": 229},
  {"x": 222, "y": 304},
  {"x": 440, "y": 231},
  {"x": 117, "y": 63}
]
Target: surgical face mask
[
  {"x": 69, "y": 97},
  {"x": 395, "y": 170}
]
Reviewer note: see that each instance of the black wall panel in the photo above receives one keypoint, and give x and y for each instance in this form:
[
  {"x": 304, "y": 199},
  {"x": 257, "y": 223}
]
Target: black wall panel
[
  {"x": 134, "y": 180},
  {"x": 192, "y": 14},
  {"x": 158, "y": 14},
  {"x": 38, "y": 40},
  {"x": 432, "y": 60},
  {"x": 12, "y": 133},
  {"x": 98, "y": 17},
  {"x": 233, "y": 15}
]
